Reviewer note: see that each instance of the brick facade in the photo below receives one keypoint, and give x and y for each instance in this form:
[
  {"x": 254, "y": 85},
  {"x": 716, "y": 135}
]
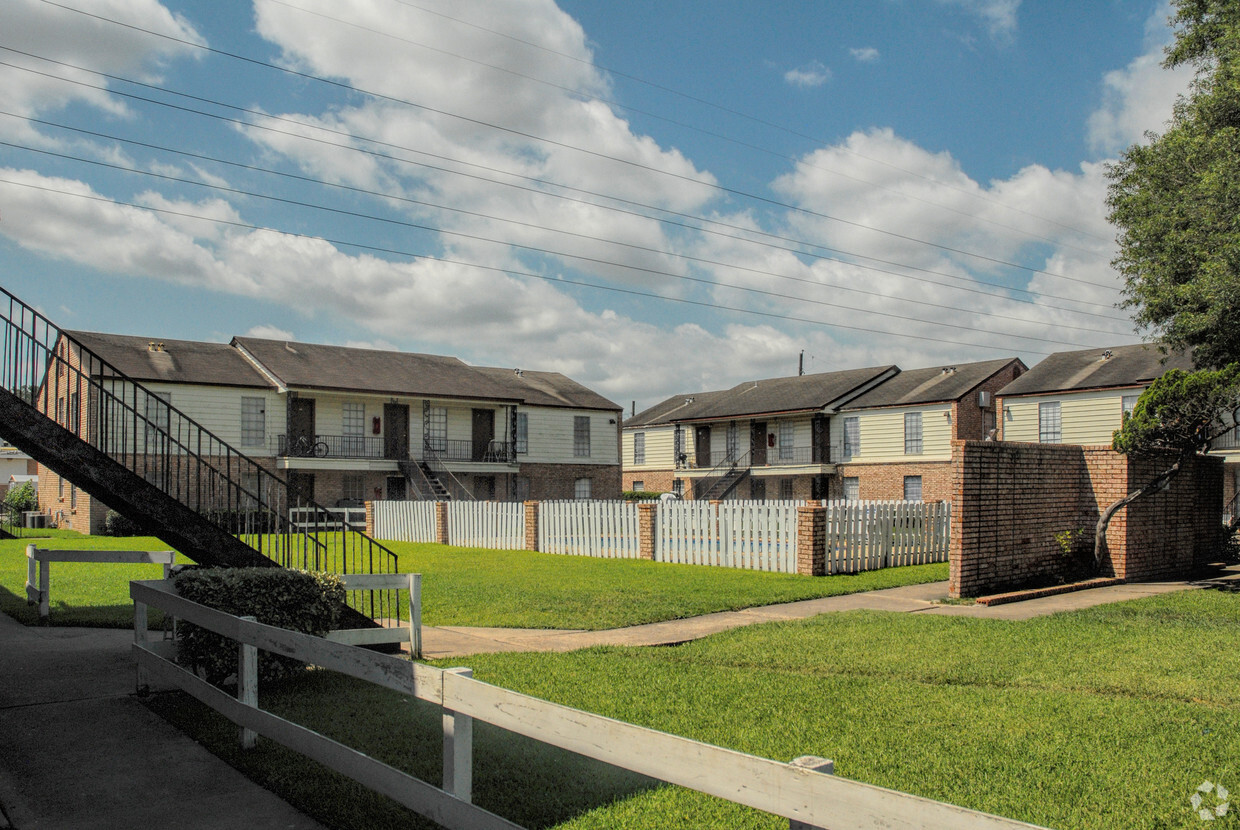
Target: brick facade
[
  {"x": 886, "y": 481},
  {"x": 548, "y": 482},
  {"x": 1010, "y": 500}
]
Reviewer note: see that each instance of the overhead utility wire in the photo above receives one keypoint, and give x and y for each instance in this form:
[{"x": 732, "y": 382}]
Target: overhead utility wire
[
  {"x": 508, "y": 271},
  {"x": 740, "y": 114},
  {"x": 564, "y": 145},
  {"x": 477, "y": 214},
  {"x": 385, "y": 156},
  {"x": 565, "y": 254},
  {"x": 700, "y": 130}
]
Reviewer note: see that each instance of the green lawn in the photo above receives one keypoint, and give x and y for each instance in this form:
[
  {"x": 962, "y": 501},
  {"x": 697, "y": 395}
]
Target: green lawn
[
  {"x": 1105, "y": 718},
  {"x": 471, "y": 586}
]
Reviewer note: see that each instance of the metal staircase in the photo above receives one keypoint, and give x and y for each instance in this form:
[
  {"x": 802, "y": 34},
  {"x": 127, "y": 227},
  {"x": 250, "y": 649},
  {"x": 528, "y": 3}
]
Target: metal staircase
[
  {"x": 724, "y": 478},
  {"x": 123, "y": 444},
  {"x": 431, "y": 480}
]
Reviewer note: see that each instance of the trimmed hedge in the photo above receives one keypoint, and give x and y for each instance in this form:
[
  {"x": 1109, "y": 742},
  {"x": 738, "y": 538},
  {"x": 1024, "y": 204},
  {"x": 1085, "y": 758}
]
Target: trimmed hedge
[{"x": 296, "y": 600}]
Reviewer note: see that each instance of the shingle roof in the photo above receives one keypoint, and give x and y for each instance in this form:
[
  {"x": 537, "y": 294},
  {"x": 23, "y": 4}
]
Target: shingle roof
[
  {"x": 315, "y": 366},
  {"x": 547, "y": 389},
  {"x": 668, "y": 410},
  {"x": 179, "y": 361},
  {"x": 935, "y": 384},
  {"x": 1091, "y": 369}
]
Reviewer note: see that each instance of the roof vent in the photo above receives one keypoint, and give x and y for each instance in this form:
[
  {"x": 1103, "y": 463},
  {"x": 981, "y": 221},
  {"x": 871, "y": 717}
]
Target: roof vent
[
  {"x": 688, "y": 400},
  {"x": 152, "y": 346},
  {"x": 1106, "y": 354},
  {"x": 518, "y": 373},
  {"x": 949, "y": 370},
  {"x": 289, "y": 347}
]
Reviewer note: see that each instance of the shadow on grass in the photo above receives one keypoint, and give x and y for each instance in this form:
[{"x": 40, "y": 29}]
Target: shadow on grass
[
  {"x": 528, "y": 782},
  {"x": 62, "y": 614}
]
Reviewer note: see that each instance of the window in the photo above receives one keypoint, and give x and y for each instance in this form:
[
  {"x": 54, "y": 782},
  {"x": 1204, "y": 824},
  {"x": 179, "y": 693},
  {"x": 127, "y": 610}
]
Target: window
[
  {"x": 638, "y": 485},
  {"x": 1049, "y": 424},
  {"x": 785, "y": 489},
  {"x": 353, "y": 428},
  {"x": 60, "y": 486},
  {"x": 912, "y": 433},
  {"x": 639, "y": 448},
  {"x": 158, "y": 416},
  {"x": 437, "y": 428},
  {"x": 1127, "y": 404},
  {"x": 582, "y": 488},
  {"x": 253, "y": 422},
  {"x": 852, "y": 488},
  {"x": 581, "y": 438},
  {"x": 852, "y": 437},
  {"x": 523, "y": 432},
  {"x": 787, "y": 433},
  {"x": 912, "y": 488},
  {"x": 353, "y": 487}
]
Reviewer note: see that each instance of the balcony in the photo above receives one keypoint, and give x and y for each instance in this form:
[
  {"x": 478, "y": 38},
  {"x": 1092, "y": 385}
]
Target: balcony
[
  {"x": 774, "y": 457},
  {"x": 1229, "y": 440},
  {"x": 330, "y": 446},
  {"x": 495, "y": 452}
]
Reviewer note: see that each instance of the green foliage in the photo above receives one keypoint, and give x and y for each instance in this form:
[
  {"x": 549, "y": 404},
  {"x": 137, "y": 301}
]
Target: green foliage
[
  {"x": 1180, "y": 411},
  {"x": 297, "y": 600},
  {"x": 22, "y": 497},
  {"x": 1175, "y": 200},
  {"x": 114, "y": 524},
  {"x": 640, "y": 495}
]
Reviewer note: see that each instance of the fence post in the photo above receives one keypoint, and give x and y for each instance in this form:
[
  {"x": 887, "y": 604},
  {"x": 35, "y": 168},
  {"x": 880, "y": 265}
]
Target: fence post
[
  {"x": 31, "y": 574},
  {"x": 415, "y": 615},
  {"x": 812, "y": 540},
  {"x": 647, "y": 531},
  {"x": 441, "y": 522},
  {"x": 370, "y": 518},
  {"x": 458, "y": 749},
  {"x": 811, "y": 763},
  {"x": 247, "y": 685},
  {"x": 140, "y": 636},
  {"x": 531, "y": 525}
]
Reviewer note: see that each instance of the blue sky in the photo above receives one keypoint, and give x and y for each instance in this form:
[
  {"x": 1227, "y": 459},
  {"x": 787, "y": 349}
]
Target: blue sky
[{"x": 650, "y": 197}]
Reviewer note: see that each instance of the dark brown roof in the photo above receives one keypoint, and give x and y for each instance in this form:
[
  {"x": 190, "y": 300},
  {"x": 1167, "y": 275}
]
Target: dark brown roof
[
  {"x": 547, "y": 389},
  {"x": 1135, "y": 365},
  {"x": 665, "y": 412},
  {"x": 179, "y": 361},
  {"x": 936, "y": 384},
  {"x": 313, "y": 366}
]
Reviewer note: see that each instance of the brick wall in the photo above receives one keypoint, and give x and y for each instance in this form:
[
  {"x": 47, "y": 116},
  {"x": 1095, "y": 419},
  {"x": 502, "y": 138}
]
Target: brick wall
[
  {"x": 967, "y": 417},
  {"x": 557, "y": 481},
  {"x": 886, "y": 481},
  {"x": 1010, "y": 499},
  {"x": 652, "y": 480}
]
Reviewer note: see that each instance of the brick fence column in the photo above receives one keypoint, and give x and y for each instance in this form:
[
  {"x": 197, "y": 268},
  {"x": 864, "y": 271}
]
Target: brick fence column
[
  {"x": 370, "y": 519},
  {"x": 441, "y": 522},
  {"x": 646, "y": 531},
  {"x": 531, "y": 525},
  {"x": 812, "y": 540}
]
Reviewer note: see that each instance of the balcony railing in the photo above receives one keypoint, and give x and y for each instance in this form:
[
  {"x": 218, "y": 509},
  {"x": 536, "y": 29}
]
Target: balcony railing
[
  {"x": 446, "y": 449},
  {"x": 330, "y": 446},
  {"x": 775, "y": 457},
  {"x": 1229, "y": 440}
]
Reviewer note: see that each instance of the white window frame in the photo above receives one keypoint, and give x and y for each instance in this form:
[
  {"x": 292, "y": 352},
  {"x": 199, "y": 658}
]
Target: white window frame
[
  {"x": 353, "y": 486},
  {"x": 639, "y": 448},
  {"x": 852, "y": 488},
  {"x": 437, "y": 428},
  {"x": 1050, "y": 423},
  {"x": 912, "y": 433},
  {"x": 581, "y": 436},
  {"x": 1126, "y": 405},
  {"x": 253, "y": 421},
  {"x": 787, "y": 440},
  {"x": 639, "y": 485},
  {"x": 522, "y": 437},
  {"x": 911, "y": 480},
  {"x": 583, "y": 488},
  {"x": 852, "y": 436}
]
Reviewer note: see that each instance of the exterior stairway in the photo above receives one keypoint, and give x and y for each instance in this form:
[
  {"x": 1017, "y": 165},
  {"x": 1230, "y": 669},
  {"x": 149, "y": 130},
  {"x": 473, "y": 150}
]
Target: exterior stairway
[
  {"x": 423, "y": 481},
  {"x": 721, "y": 487}
]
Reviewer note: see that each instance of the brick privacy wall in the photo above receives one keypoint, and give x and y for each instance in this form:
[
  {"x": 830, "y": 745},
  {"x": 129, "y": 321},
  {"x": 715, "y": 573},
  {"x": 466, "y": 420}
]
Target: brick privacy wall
[
  {"x": 886, "y": 481},
  {"x": 549, "y": 482},
  {"x": 1010, "y": 499},
  {"x": 654, "y": 480}
]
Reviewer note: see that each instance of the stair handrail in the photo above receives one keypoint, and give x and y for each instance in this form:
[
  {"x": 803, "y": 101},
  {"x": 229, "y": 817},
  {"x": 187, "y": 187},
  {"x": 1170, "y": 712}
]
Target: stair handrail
[
  {"x": 32, "y": 353},
  {"x": 719, "y": 473},
  {"x": 434, "y": 459}
]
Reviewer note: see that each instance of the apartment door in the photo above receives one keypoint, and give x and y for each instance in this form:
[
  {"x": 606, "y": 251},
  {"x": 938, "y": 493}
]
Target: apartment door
[
  {"x": 483, "y": 432},
  {"x": 300, "y": 421},
  {"x": 395, "y": 431},
  {"x": 701, "y": 439},
  {"x": 757, "y": 444}
]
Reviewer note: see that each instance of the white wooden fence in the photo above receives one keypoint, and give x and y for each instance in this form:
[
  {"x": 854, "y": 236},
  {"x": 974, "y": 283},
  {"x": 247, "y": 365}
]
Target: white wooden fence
[
  {"x": 864, "y": 535},
  {"x": 486, "y": 524},
  {"x": 753, "y": 535},
  {"x": 607, "y": 529},
  {"x": 39, "y": 568},
  {"x": 405, "y": 521},
  {"x": 795, "y": 791},
  {"x": 327, "y": 518}
]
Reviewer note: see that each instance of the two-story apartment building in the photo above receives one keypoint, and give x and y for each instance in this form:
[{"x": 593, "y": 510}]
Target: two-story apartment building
[{"x": 344, "y": 425}]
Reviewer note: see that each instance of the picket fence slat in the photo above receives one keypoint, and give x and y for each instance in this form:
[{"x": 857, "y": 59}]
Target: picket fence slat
[
  {"x": 486, "y": 524},
  {"x": 606, "y": 529},
  {"x": 405, "y": 521},
  {"x": 862, "y": 535}
]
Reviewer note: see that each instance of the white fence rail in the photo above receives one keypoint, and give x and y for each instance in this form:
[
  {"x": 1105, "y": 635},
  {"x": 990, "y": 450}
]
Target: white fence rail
[
  {"x": 807, "y": 798},
  {"x": 328, "y": 518},
  {"x": 864, "y": 535},
  {"x": 411, "y": 633},
  {"x": 486, "y": 524},
  {"x": 405, "y": 521},
  {"x": 753, "y": 535},
  {"x": 607, "y": 529},
  {"x": 39, "y": 568}
]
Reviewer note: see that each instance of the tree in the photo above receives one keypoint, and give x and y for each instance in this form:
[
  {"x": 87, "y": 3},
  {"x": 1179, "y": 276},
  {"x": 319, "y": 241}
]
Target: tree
[
  {"x": 1180, "y": 411},
  {"x": 1176, "y": 200}
]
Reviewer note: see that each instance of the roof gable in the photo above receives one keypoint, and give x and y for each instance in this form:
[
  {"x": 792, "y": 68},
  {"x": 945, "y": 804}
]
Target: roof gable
[
  {"x": 936, "y": 384},
  {"x": 1119, "y": 366}
]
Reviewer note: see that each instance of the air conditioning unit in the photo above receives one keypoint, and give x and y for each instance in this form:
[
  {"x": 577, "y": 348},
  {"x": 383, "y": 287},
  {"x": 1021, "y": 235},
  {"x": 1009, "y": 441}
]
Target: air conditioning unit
[{"x": 983, "y": 399}]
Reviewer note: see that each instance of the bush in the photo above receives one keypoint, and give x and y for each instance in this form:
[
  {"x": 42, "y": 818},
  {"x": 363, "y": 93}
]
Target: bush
[
  {"x": 296, "y": 600},
  {"x": 21, "y": 498},
  {"x": 114, "y": 524},
  {"x": 640, "y": 495}
]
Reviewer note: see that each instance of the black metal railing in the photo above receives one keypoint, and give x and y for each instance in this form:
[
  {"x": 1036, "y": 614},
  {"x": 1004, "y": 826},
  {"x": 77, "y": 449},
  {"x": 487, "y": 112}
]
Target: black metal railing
[
  {"x": 330, "y": 446},
  {"x": 459, "y": 449},
  {"x": 1229, "y": 440},
  {"x": 141, "y": 430},
  {"x": 436, "y": 465}
]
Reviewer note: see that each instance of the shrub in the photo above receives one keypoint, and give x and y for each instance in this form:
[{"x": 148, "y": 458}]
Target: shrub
[
  {"x": 640, "y": 495},
  {"x": 21, "y": 498},
  {"x": 114, "y": 524},
  {"x": 297, "y": 600}
]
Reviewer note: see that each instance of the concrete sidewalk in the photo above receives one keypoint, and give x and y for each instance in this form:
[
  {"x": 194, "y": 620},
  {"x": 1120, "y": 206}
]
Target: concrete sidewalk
[
  {"x": 458, "y": 641},
  {"x": 78, "y": 750}
]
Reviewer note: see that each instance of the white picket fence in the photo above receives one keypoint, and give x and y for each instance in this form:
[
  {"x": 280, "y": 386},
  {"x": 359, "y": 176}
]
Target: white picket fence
[
  {"x": 865, "y": 535},
  {"x": 405, "y": 521},
  {"x": 606, "y": 529},
  {"x": 753, "y": 535},
  {"x": 484, "y": 524}
]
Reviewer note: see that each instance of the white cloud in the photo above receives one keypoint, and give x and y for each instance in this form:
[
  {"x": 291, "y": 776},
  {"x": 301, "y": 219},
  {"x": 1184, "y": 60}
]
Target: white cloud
[
  {"x": 812, "y": 74},
  {"x": 270, "y": 332},
  {"x": 998, "y": 15},
  {"x": 865, "y": 54}
]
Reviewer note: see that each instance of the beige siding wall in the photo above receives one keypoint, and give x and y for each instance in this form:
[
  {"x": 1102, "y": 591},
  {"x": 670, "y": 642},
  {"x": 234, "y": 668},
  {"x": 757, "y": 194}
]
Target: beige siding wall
[
  {"x": 551, "y": 436},
  {"x": 218, "y": 409},
  {"x": 882, "y": 434},
  {"x": 660, "y": 447},
  {"x": 1086, "y": 417}
]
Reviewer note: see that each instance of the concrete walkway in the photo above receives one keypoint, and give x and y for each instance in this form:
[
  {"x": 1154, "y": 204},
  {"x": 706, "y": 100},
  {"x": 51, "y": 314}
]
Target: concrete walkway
[
  {"x": 458, "y": 641},
  {"x": 78, "y": 750}
]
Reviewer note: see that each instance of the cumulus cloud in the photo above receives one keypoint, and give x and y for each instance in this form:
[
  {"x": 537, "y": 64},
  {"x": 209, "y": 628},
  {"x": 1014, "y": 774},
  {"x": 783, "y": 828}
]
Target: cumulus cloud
[
  {"x": 999, "y": 16},
  {"x": 1136, "y": 99},
  {"x": 865, "y": 54},
  {"x": 812, "y": 74},
  {"x": 270, "y": 332}
]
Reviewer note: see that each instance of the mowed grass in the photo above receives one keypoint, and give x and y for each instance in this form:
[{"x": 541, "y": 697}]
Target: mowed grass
[
  {"x": 469, "y": 586},
  {"x": 1107, "y": 718}
]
